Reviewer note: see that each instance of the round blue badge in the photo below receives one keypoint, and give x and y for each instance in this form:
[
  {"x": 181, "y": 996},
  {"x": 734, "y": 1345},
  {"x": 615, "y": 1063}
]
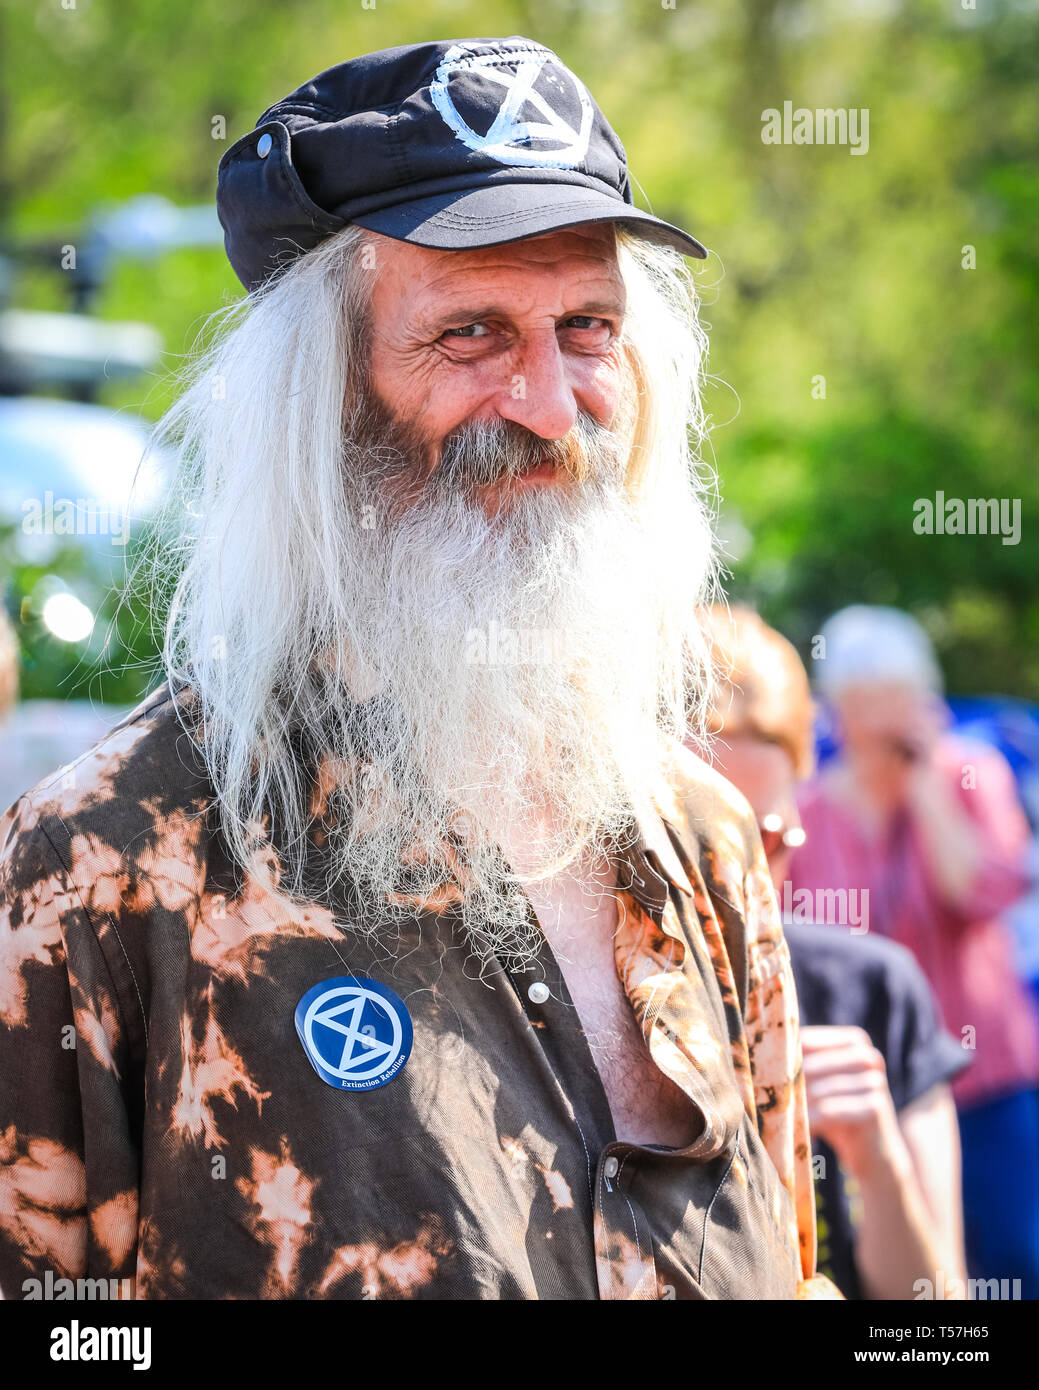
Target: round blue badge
[{"x": 356, "y": 1033}]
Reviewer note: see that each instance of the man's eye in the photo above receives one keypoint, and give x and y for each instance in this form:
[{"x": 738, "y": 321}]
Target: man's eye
[
  {"x": 584, "y": 321},
  {"x": 467, "y": 330}
]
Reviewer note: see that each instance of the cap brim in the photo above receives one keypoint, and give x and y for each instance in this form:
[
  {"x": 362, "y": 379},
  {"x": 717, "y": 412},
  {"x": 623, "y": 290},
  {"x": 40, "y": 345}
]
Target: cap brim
[{"x": 503, "y": 212}]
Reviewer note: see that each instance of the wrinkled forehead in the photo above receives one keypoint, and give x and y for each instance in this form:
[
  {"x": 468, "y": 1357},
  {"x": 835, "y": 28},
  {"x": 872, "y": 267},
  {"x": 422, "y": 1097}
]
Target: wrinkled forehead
[{"x": 558, "y": 272}]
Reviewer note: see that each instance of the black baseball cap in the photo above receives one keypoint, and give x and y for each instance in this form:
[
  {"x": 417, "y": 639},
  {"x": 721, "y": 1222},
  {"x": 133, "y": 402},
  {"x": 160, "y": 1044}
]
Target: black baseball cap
[{"x": 454, "y": 145}]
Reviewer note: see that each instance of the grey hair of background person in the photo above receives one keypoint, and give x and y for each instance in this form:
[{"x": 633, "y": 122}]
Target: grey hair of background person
[{"x": 868, "y": 644}]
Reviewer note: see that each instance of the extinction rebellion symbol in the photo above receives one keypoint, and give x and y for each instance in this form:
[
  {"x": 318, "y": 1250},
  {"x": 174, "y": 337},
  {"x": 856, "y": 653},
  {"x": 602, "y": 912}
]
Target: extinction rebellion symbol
[
  {"x": 539, "y": 83},
  {"x": 356, "y": 1033}
]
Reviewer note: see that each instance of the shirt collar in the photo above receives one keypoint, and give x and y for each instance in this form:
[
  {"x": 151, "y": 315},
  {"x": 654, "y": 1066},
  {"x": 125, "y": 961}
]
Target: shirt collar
[{"x": 652, "y": 858}]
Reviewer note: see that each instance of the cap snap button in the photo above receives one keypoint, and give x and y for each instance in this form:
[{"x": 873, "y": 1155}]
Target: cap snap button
[
  {"x": 264, "y": 145},
  {"x": 611, "y": 1167},
  {"x": 538, "y": 993}
]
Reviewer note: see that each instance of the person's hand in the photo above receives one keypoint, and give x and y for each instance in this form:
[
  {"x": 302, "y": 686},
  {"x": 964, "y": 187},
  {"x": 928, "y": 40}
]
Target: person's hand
[
  {"x": 919, "y": 727},
  {"x": 890, "y": 734},
  {"x": 849, "y": 1102}
]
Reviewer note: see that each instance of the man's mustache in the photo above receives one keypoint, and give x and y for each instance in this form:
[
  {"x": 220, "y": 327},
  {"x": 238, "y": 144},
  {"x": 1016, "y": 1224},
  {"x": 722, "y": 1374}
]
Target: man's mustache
[
  {"x": 484, "y": 452},
  {"x": 389, "y": 451}
]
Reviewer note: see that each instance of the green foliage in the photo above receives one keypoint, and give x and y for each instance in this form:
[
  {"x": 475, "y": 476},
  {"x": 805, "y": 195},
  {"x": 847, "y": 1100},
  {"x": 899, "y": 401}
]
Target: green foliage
[
  {"x": 118, "y": 663},
  {"x": 828, "y": 265}
]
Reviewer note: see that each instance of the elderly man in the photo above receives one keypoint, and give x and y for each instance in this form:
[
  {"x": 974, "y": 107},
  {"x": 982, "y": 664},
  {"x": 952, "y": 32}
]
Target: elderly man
[{"x": 394, "y": 946}]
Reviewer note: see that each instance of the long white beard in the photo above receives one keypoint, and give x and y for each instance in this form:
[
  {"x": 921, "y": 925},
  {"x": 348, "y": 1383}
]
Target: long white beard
[{"x": 509, "y": 685}]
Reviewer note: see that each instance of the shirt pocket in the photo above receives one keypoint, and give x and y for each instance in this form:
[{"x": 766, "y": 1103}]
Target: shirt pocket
[{"x": 749, "y": 1248}]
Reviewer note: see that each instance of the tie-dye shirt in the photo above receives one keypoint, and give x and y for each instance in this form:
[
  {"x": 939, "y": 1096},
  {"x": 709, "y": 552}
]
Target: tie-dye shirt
[{"x": 161, "y": 1124}]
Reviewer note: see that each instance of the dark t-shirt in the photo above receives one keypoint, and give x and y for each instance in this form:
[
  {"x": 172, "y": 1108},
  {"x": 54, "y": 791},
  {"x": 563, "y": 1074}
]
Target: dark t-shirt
[{"x": 875, "y": 984}]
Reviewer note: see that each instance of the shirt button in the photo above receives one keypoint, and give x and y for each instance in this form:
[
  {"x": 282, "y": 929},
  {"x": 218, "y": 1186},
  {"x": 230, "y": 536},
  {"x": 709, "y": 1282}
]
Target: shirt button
[
  {"x": 538, "y": 993},
  {"x": 263, "y": 145},
  {"x": 611, "y": 1167}
]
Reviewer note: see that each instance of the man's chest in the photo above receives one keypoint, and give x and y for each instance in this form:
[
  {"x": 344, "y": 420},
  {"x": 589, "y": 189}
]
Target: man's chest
[{"x": 579, "y": 919}]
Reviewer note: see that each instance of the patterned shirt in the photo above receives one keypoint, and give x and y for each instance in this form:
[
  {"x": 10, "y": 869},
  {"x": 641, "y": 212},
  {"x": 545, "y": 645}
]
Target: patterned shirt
[{"x": 162, "y": 1124}]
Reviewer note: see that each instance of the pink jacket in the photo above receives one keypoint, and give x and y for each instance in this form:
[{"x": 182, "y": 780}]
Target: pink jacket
[{"x": 962, "y": 947}]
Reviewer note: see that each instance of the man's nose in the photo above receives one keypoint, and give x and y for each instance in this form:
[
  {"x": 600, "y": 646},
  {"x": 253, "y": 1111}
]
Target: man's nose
[{"x": 538, "y": 393}]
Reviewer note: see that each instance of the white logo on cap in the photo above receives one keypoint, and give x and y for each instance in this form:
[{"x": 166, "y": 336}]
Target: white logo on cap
[{"x": 508, "y": 138}]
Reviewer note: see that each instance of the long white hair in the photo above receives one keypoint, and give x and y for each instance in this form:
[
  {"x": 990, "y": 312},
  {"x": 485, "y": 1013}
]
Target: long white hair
[{"x": 388, "y": 679}]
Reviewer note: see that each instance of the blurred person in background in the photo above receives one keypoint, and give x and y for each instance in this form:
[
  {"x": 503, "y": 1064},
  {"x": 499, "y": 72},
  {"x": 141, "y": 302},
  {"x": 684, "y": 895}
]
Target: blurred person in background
[
  {"x": 930, "y": 825},
  {"x": 876, "y": 1060},
  {"x": 8, "y": 670}
]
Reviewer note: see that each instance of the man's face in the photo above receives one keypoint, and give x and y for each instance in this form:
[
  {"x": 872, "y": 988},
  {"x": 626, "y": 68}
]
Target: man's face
[{"x": 526, "y": 333}]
